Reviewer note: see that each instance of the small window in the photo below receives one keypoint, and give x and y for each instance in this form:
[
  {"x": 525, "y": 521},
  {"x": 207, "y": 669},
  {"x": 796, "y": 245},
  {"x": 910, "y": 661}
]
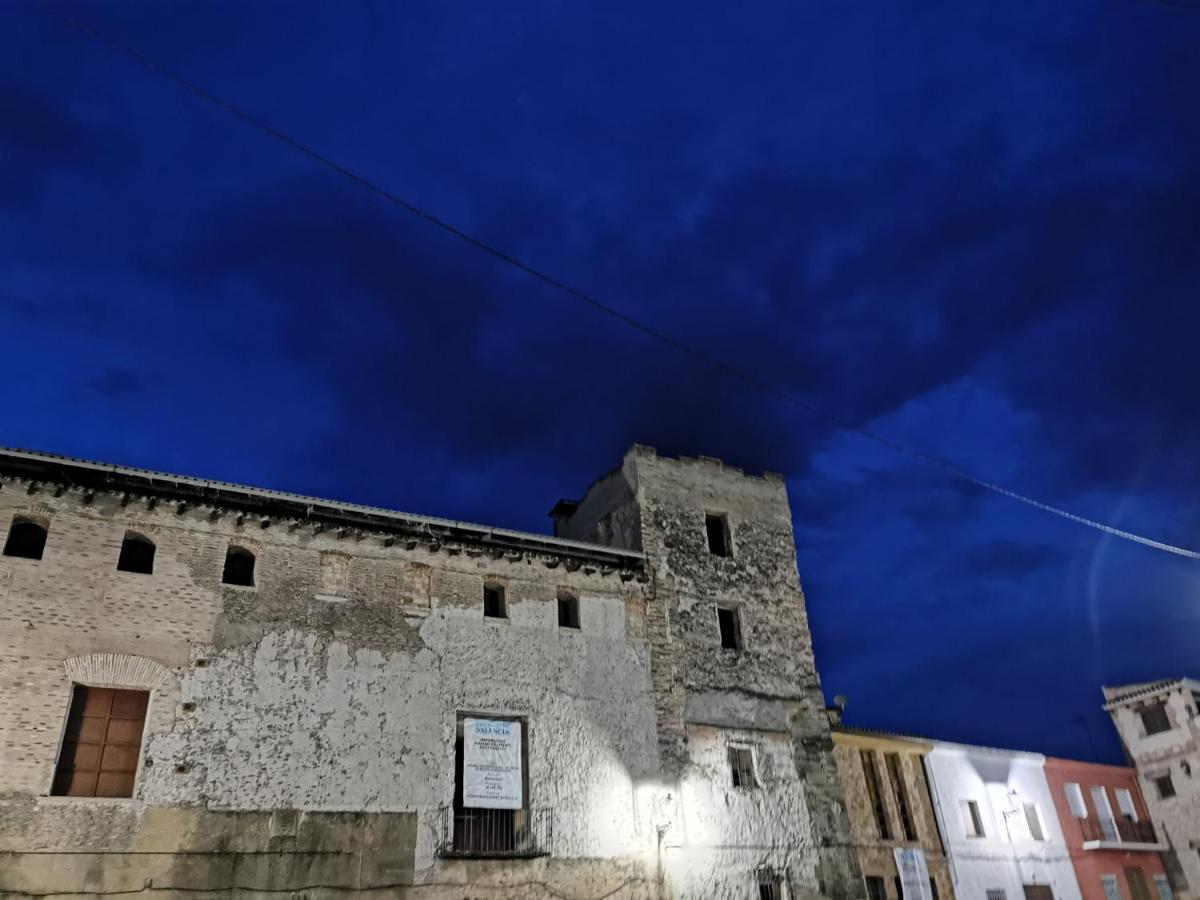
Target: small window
[
  {"x": 899, "y": 886},
  {"x": 568, "y": 611},
  {"x": 972, "y": 821},
  {"x": 900, "y": 790},
  {"x": 1165, "y": 786},
  {"x": 1075, "y": 800},
  {"x": 770, "y": 885},
  {"x": 741, "y": 765},
  {"x": 1155, "y": 718},
  {"x": 493, "y": 602},
  {"x": 1112, "y": 887},
  {"x": 995, "y": 894},
  {"x": 717, "y": 529},
  {"x": 137, "y": 554},
  {"x": 1125, "y": 804},
  {"x": 102, "y": 743},
  {"x": 1033, "y": 819},
  {"x": 875, "y": 888},
  {"x": 933, "y": 891},
  {"x": 1164, "y": 887},
  {"x": 874, "y": 792},
  {"x": 239, "y": 567},
  {"x": 26, "y": 539},
  {"x": 731, "y": 627}
]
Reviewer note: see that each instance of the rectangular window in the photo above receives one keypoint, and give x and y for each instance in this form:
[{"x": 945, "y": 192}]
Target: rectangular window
[
  {"x": 896, "y": 775},
  {"x": 899, "y": 885},
  {"x": 1075, "y": 801},
  {"x": 874, "y": 794},
  {"x": 491, "y": 815},
  {"x": 972, "y": 821},
  {"x": 1165, "y": 786},
  {"x": 568, "y": 611},
  {"x": 1112, "y": 889},
  {"x": 995, "y": 893},
  {"x": 1164, "y": 887},
  {"x": 717, "y": 529},
  {"x": 1125, "y": 804},
  {"x": 102, "y": 743},
  {"x": 1033, "y": 819},
  {"x": 1155, "y": 719},
  {"x": 1136, "y": 879},
  {"x": 933, "y": 891},
  {"x": 770, "y": 885},
  {"x": 493, "y": 602},
  {"x": 741, "y": 766},
  {"x": 875, "y": 888},
  {"x": 729, "y": 621}
]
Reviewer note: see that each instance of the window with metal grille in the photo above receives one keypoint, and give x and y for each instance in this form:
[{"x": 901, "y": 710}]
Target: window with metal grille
[
  {"x": 972, "y": 820},
  {"x": 874, "y": 794},
  {"x": 239, "y": 567},
  {"x": 1155, "y": 719},
  {"x": 730, "y": 624},
  {"x": 568, "y": 611},
  {"x": 26, "y": 539},
  {"x": 875, "y": 888},
  {"x": 494, "y": 606},
  {"x": 716, "y": 527},
  {"x": 995, "y": 894},
  {"x": 102, "y": 743},
  {"x": 137, "y": 554},
  {"x": 1033, "y": 819},
  {"x": 1165, "y": 786},
  {"x": 900, "y": 789},
  {"x": 1112, "y": 888},
  {"x": 770, "y": 885},
  {"x": 1164, "y": 887},
  {"x": 741, "y": 767}
]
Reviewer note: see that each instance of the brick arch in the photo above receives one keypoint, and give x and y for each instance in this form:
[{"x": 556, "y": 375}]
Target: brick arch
[{"x": 117, "y": 670}]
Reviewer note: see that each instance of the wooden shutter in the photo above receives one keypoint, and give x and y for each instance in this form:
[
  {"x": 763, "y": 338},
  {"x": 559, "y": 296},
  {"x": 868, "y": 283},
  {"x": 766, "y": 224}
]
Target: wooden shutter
[{"x": 102, "y": 743}]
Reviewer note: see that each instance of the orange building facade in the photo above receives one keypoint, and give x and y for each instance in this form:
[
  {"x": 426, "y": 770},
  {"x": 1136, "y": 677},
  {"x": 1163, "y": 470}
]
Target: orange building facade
[{"x": 1114, "y": 846}]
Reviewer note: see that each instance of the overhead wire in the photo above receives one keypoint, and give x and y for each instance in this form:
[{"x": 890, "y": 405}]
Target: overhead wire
[{"x": 663, "y": 337}]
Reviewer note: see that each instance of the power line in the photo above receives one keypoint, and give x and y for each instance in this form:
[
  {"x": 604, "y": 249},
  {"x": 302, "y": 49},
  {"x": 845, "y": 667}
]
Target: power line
[{"x": 742, "y": 375}]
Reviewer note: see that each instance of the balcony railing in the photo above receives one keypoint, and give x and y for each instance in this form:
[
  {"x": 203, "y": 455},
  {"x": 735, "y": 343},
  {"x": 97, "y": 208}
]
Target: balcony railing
[
  {"x": 1118, "y": 831},
  {"x": 496, "y": 833}
]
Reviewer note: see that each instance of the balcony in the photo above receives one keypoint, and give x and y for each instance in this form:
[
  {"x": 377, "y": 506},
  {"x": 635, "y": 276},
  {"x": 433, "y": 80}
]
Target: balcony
[
  {"x": 1119, "y": 834},
  {"x": 496, "y": 833}
]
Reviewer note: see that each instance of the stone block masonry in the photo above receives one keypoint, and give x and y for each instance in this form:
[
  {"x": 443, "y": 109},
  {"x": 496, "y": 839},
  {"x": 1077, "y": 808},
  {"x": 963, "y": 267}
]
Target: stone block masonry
[{"x": 302, "y": 732}]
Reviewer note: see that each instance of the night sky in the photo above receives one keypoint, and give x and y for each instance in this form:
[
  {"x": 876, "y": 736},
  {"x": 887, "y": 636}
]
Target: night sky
[{"x": 973, "y": 227}]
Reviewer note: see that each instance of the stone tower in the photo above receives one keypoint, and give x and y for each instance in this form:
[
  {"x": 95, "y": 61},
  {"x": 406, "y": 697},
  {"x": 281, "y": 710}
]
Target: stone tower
[{"x": 743, "y": 735}]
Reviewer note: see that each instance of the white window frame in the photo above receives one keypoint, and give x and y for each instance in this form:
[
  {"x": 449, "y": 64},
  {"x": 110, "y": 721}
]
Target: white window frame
[
  {"x": 1075, "y": 800},
  {"x": 1126, "y": 805}
]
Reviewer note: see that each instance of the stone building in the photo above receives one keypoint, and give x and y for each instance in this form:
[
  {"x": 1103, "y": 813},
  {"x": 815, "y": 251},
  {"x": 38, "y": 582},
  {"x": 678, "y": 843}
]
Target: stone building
[
  {"x": 1159, "y": 724},
  {"x": 999, "y": 823},
  {"x": 210, "y": 689},
  {"x": 890, "y": 808}
]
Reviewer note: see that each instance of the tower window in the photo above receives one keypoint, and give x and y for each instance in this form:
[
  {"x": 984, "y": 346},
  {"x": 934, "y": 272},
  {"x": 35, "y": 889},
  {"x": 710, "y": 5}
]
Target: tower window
[
  {"x": 568, "y": 611},
  {"x": 770, "y": 885},
  {"x": 239, "y": 567},
  {"x": 741, "y": 767},
  {"x": 731, "y": 627},
  {"x": 717, "y": 529},
  {"x": 494, "y": 606},
  {"x": 26, "y": 539},
  {"x": 137, "y": 554},
  {"x": 1155, "y": 718}
]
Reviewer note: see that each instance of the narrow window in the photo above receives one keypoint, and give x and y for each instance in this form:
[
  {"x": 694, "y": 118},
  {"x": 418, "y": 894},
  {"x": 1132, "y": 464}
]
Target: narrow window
[
  {"x": 1165, "y": 786},
  {"x": 26, "y": 539},
  {"x": 1125, "y": 804},
  {"x": 1075, "y": 800},
  {"x": 1138, "y": 889},
  {"x": 896, "y": 774},
  {"x": 102, "y": 743},
  {"x": 770, "y": 885},
  {"x": 1112, "y": 888},
  {"x": 1155, "y": 719},
  {"x": 568, "y": 611},
  {"x": 972, "y": 821},
  {"x": 1034, "y": 820},
  {"x": 933, "y": 891},
  {"x": 137, "y": 554},
  {"x": 239, "y": 567},
  {"x": 899, "y": 887},
  {"x": 1164, "y": 887},
  {"x": 493, "y": 602},
  {"x": 741, "y": 765},
  {"x": 731, "y": 627},
  {"x": 874, "y": 794},
  {"x": 717, "y": 529},
  {"x": 875, "y": 888}
]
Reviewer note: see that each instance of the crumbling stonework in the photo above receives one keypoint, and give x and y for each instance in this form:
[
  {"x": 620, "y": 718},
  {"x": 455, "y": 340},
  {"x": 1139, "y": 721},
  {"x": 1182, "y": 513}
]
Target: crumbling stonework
[{"x": 300, "y": 734}]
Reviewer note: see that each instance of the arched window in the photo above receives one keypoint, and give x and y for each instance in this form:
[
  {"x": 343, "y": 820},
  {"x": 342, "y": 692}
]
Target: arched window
[
  {"x": 137, "y": 554},
  {"x": 26, "y": 539},
  {"x": 239, "y": 567}
]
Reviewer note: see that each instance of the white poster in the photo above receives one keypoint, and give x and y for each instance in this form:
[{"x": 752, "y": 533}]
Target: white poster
[
  {"x": 914, "y": 875},
  {"x": 492, "y": 764}
]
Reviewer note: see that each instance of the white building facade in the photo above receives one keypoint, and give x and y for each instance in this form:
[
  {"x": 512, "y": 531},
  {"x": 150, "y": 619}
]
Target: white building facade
[{"x": 998, "y": 821}]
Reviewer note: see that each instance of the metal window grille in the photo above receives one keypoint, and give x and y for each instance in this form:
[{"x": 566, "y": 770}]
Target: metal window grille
[
  {"x": 995, "y": 894},
  {"x": 770, "y": 885},
  {"x": 741, "y": 764},
  {"x": 1112, "y": 888},
  {"x": 496, "y": 833}
]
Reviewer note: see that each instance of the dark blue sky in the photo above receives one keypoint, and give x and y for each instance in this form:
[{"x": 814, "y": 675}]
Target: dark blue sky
[{"x": 973, "y": 227}]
